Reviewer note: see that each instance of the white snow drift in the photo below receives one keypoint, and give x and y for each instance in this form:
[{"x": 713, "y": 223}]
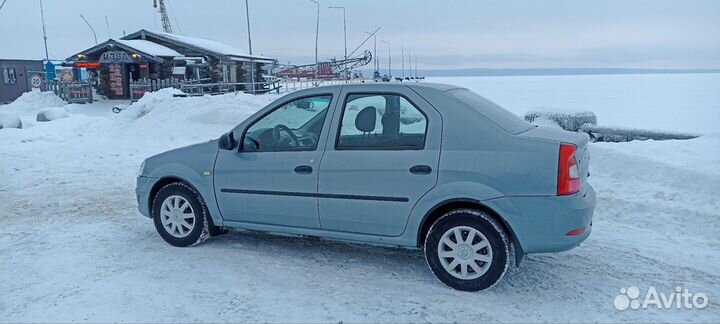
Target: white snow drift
[{"x": 50, "y": 114}]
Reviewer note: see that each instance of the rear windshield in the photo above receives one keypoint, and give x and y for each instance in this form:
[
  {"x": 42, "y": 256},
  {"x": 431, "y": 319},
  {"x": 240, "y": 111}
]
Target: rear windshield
[{"x": 502, "y": 117}]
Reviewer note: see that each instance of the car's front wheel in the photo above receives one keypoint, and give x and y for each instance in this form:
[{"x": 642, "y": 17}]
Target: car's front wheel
[
  {"x": 467, "y": 250},
  {"x": 180, "y": 215}
]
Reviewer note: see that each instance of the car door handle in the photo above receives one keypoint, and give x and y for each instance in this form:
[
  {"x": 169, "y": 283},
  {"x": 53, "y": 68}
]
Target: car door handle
[
  {"x": 421, "y": 169},
  {"x": 303, "y": 169}
]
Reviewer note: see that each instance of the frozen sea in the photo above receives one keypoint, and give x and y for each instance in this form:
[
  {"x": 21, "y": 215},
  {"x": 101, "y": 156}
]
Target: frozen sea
[{"x": 677, "y": 102}]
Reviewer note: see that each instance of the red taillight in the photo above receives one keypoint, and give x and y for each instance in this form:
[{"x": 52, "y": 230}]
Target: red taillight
[
  {"x": 576, "y": 232},
  {"x": 568, "y": 173}
]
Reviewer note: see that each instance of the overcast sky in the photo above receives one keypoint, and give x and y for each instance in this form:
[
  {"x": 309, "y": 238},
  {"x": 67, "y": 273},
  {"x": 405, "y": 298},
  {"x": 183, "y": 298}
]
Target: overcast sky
[{"x": 443, "y": 34}]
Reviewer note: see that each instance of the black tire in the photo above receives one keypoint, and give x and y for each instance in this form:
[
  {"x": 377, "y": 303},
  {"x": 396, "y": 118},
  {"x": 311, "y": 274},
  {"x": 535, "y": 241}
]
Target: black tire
[
  {"x": 200, "y": 228},
  {"x": 496, "y": 239}
]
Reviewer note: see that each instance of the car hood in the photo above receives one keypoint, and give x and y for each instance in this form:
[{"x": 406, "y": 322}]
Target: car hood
[{"x": 200, "y": 156}]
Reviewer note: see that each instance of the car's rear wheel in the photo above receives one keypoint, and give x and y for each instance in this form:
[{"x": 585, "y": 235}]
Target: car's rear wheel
[
  {"x": 180, "y": 215},
  {"x": 467, "y": 250}
]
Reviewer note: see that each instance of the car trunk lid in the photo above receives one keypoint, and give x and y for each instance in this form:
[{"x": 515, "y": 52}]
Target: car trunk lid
[{"x": 580, "y": 140}]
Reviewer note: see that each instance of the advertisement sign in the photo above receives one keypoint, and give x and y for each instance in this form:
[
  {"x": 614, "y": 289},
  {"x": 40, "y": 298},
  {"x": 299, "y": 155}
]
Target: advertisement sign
[
  {"x": 117, "y": 84},
  {"x": 66, "y": 75}
]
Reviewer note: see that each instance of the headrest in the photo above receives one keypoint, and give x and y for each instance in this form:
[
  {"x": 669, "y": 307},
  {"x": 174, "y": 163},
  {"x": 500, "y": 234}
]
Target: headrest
[{"x": 365, "y": 120}]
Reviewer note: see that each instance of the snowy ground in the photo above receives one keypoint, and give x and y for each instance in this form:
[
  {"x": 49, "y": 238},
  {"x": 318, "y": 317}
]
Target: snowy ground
[{"x": 74, "y": 248}]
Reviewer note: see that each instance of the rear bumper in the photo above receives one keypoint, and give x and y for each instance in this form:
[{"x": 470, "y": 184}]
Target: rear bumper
[{"x": 541, "y": 224}]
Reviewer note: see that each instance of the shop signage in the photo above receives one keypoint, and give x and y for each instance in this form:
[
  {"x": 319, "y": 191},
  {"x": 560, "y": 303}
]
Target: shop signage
[
  {"x": 117, "y": 82},
  {"x": 115, "y": 57},
  {"x": 88, "y": 65},
  {"x": 66, "y": 75}
]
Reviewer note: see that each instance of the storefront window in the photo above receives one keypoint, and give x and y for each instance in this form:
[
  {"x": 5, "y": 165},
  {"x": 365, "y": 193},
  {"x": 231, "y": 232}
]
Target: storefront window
[{"x": 9, "y": 76}]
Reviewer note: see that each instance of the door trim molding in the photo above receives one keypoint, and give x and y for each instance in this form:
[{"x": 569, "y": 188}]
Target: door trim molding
[{"x": 314, "y": 195}]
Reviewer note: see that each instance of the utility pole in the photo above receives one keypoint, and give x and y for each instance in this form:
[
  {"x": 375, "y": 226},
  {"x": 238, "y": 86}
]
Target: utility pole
[
  {"x": 389, "y": 58},
  {"x": 252, "y": 63},
  {"x": 317, "y": 33},
  {"x": 345, "y": 37},
  {"x": 42, "y": 18},
  {"x": 91, "y": 27}
]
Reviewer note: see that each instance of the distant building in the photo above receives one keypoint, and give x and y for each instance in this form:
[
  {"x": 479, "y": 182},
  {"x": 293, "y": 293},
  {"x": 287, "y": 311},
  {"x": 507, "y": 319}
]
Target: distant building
[
  {"x": 17, "y": 77},
  {"x": 157, "y": 55}
]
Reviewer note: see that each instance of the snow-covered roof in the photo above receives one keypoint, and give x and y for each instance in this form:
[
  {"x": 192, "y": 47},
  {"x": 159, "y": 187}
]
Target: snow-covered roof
[
  {"x": 149, "y": 47},
  {"x": 199, "y": 43}
]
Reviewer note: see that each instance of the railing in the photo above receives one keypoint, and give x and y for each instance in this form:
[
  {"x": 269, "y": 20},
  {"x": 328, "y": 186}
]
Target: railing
[
  {"x": 138, "y": 88},
  {"x": 72, "y": 92},
  {"x": 199, "y": 89},
  {"x": 290, "y": 85}
]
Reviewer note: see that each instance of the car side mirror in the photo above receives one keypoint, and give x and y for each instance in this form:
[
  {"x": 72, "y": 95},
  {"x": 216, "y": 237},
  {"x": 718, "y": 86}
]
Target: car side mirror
[{"x": 227, "y": 142}]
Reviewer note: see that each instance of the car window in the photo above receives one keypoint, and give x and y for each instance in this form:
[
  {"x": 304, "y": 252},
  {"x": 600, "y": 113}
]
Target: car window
[
  {"x": 381, "y": 121},
  {"x": 502, "y": 117},
  {"x": 295, "y": 125}
]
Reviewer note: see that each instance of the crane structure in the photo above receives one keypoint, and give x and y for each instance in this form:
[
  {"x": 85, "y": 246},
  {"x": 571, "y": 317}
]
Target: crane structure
[
  {"x": 325, "y": 70},
  {"x": 160, "y": 5}
]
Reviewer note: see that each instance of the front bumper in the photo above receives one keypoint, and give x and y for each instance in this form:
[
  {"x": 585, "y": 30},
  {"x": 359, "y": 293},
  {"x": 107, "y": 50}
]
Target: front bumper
[
  {"x": 142, "y": 194},
  {"x": 541, "y": 224}
]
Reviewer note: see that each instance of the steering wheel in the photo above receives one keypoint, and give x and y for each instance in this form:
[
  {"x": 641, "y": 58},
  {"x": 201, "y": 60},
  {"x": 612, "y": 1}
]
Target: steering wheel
[{"x": 276, "y": 135}]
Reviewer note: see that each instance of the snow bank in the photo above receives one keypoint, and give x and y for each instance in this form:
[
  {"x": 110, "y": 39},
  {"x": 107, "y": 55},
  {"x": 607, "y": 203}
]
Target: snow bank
[
  {"x": 9, "y": 119},
  {"x": 50, "y": 114},
  {"x": 150, "y": 100},
  {"x": 568, "y": 120},
  {"x": 31, "y": 101},
  {"x": 626, "y": 134},
  {"x": 162, "y": 115}
]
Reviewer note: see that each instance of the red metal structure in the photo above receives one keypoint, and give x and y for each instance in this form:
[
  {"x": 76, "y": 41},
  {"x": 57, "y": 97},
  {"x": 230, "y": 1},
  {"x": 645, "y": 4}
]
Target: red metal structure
[{"x": 325, "y": 70}]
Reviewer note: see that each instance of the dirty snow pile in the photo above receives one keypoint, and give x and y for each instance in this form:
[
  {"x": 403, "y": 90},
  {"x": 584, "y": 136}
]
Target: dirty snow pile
[{"x": 74, "y": 248}]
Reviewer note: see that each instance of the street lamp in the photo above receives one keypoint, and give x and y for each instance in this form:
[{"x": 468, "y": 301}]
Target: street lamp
[
  {"x": 416, "y": 67},
  {"x": 252, "y": 63},
  {"x": 345, "y": 33},
  {"x": 389, "y": 58},
  {"x": 402, "y": 57},
  {"x": 376, "y": 64},
  {"x": 91, "y": 27},
  {"x": 317, "y": 33}
]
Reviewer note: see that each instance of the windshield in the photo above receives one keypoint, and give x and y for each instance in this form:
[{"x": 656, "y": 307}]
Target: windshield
[{"x": 502, "y": 117}]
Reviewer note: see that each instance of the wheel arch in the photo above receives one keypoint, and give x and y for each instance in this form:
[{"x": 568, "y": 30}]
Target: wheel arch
[
  {"x": 164, "y": 181},
  {"x": 459, "y": 203}
]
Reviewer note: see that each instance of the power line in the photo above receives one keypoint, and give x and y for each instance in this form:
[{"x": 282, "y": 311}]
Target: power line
[{"x": 2, "y": 4}]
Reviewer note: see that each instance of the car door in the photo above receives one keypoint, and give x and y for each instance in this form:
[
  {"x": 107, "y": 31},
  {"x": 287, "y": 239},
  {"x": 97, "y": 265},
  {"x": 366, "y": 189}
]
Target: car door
[
  {"x": 381, "y": 158},
  {"x": 272, "y": 178}
]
